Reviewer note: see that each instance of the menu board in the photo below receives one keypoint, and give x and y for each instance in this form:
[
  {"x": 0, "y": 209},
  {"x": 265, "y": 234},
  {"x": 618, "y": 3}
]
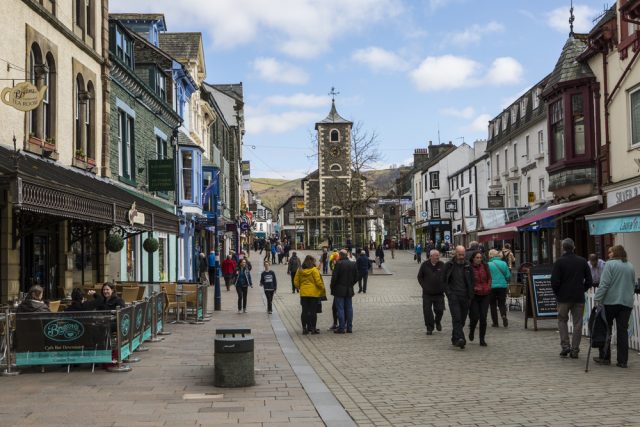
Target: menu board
[{"x": 541, "y": 301}]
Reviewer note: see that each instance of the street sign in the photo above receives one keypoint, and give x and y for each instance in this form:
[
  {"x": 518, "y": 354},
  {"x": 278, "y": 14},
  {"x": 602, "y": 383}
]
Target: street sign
[
  {"x": 244, "y": 226},
  {"x": 424, "y": 214},
  {"x": 451, "y": 205}
]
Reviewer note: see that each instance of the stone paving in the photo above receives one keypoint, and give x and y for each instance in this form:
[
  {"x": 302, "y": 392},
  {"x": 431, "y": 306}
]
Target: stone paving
[
  {"x": 172, "y": 385},
  {"x": 388, "y": 372}
]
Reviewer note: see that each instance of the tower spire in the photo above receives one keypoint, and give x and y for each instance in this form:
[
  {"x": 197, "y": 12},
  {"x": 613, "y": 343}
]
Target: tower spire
[
  {"x": 333, "y": 94},
  {"x": 571, "y": 19}
]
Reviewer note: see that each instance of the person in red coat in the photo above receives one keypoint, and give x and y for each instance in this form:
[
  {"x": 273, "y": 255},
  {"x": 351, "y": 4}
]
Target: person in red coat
[
  {"x": 480, "y": 301},
  {"x": 228, "y": 270}
]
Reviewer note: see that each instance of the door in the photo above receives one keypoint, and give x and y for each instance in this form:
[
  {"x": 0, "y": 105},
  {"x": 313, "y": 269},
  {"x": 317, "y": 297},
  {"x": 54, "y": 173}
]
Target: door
[{"x": 39, "y": 266}]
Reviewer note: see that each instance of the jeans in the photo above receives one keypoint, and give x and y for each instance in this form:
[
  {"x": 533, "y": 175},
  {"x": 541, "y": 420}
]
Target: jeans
[
  {"x": 325, "y": 267},
  {"x": 432, "y": 305},
  {"x": 242, "y": 297},
  {"x": 334, "y": 312},
  {"x": 309, "y": 316},
  {"x": 362, "y": 282},
  {"x": 478, "y": 313},
  {"x": 459, "y": 308},
  {"x": 273, "y": 258},
  {"x": 498, "y": 300},
  {"x": 344, "y": 308},
  {"x": 621, "y": 314},
  {"x": 293, "y": 285},
  {"x": 577, "y": 310},
  {"x": 269, "y": 295}
]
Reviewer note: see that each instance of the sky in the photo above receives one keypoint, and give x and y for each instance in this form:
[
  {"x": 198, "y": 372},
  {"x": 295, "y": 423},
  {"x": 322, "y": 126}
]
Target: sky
[{"x": 412, "y": 71}]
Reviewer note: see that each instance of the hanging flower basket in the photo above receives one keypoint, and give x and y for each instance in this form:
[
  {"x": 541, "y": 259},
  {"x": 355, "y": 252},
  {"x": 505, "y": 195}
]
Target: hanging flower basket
[
  {"x": 150, "y": 244},
  {"x": 114, "y": 243}
]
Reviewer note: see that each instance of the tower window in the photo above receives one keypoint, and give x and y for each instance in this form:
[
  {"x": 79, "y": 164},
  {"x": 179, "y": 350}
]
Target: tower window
[
  {"x": 335, "y": 168},
  {"x": 335, "y": 136}
]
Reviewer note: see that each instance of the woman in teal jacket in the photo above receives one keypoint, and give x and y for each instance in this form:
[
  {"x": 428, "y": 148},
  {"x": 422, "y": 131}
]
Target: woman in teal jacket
[
  {"x": 615, "y": 292},
  {"x": 500, "y": 276}
]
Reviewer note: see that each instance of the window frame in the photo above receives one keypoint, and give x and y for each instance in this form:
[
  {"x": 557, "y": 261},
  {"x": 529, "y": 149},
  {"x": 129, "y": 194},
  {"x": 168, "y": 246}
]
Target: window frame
[
  {"x": 434, "y": 180},
  {"x": 635, "y": 92},
  {"x": 435, "y": 208}
]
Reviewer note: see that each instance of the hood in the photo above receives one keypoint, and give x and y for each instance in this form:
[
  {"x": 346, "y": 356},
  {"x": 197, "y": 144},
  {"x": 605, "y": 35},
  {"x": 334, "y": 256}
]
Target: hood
[{"x": 307, "y": 272}]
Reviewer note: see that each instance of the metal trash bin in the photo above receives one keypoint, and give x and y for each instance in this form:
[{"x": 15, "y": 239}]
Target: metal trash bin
[{"x": 233, "y": 358}]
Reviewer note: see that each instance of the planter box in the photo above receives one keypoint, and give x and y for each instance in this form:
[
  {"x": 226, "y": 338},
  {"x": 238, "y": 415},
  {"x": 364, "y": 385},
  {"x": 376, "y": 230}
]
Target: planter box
[{"x": 34, "y": 145}]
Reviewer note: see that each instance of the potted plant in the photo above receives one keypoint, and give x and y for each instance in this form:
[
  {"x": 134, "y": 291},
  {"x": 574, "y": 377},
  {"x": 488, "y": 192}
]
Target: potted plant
[
  {"x": 50, "y": 144},
  {"x": 114, "y": 243},
  {"x": 150, "y": 244},
  {"x": 80, "y": 154}
]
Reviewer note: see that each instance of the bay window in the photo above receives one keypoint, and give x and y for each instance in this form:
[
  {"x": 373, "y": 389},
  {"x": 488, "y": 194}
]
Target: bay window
[
  {"x": 557, "y": 131},
  {"x": 577, "y": 108}
]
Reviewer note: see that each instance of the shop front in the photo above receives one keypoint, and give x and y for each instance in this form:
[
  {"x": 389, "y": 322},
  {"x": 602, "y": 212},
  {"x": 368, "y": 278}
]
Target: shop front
[{"x": 438, "y": 230}]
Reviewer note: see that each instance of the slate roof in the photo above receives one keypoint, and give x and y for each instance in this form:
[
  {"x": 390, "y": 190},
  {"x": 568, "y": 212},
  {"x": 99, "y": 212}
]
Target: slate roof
[
  {"x": 568, "y": 68},
  {"x": 606, "y": 17},
  {"x": 334, "y": 117},
  {"x": 138, "y": 16},
  {"x": 232, "y": 89},
  {"x": 225, "y": 102},
  {"x": 181, "y": 45}
]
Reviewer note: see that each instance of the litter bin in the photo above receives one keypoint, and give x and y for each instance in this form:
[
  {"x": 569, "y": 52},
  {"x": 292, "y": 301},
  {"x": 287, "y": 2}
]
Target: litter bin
[{"x": 233, "y": 361}]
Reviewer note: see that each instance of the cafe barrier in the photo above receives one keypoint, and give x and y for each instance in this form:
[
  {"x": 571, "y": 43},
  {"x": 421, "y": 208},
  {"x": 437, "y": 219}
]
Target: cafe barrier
[{"x": 63, "y": 338}]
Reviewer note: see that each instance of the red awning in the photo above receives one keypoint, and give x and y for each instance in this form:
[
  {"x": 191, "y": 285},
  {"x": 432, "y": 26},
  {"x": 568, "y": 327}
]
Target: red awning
[{"x": 510, "y": 231}]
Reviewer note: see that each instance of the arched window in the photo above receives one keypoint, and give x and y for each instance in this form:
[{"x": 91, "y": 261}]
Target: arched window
[
  {"x": 335, "y": 168},
  {"x": 80, "y": 100},
  {"x": 89, "y": 122},
  {"x": 335, "y": 136},
  {"x": 49, "y": 101},
  {"x": 35, "y": 67}
]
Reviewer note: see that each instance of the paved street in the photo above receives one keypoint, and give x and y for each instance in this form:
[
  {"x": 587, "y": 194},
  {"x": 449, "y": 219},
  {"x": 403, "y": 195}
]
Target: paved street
[{"x": 390, "y": 373}]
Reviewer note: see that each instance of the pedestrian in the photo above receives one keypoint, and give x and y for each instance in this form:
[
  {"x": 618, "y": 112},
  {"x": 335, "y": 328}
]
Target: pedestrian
[
  {"x": 274, "y": 251},
  {"x": 292, "y": 268},
  {"x": 280, "y": 252},
  {"x": 229, "y": 267},
  {"x": 243, "y": 283},
  {"x": 570, "y": 279},
  {"x": 418, "y": 253},
  {"x": 344, "y": 277},
  {"x": 500, "y": 276},
  {"x": 269, "y": 283},
  {"x": 33, "y": 302},
  {"x": 311, "y": 288},
  {"x": 324, "y": 260},
  {"x": 473, "y": 246},
  {"x": 480, "y": 301},
  {"x": 213, "y": 265},
  {"x": 508, "y": 256},
  {"x": 458, "y": 283},
  {"x": 363, "y": 264},
  {"x": 431, "y": 279},
  {"x": 392, "y": 247},
  {"x": 596, "y": 265},
  {"x": 203, "y": 269},
  {"x": 287, "y": 250},
  {"x": 617, "y": 286},
  {"x": 333, "y": 259},
  {"x": 267, "y": 250},
  {"x": 380, "y": 256}
]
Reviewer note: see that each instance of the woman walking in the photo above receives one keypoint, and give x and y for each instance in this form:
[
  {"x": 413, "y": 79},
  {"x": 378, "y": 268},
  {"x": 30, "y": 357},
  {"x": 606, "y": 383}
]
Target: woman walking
[
  {"x": 615, "y": 292},
  {"x": 243, "y": 282},
  {"x": 311, "y": 287},
  {"x": 500, "y": 276},
  {"x": 480, "y": 302}
]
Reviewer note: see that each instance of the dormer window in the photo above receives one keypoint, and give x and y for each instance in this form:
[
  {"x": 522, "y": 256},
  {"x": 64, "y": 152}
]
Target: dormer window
[
  {"x": 536, "y": 98},
  {"x": 523, "y": 106},
  {"x": 160, "y": 85},
  {"x": 514, "y": 113},
  {"x": 124, "y": 47},
  {"x": 334, "y": 136},
  {"x": 505, "y": 120}
]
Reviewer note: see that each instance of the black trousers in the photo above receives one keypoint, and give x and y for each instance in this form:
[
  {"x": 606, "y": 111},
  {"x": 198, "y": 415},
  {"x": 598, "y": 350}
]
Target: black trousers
[
  {"x": 293, "y": 285},
  {"x": 242, "y": 291},
  {"x": 269, "y": 295},
  {"x": 362, "y": 282},
  {"x": 619, "y": 313},
  {"x": 459, "y": 308},
  {"x": 309, "y": 316},
  {"x": 498, "y": 301},
  {"x": 432, "y": 309},
  {"x": 478, "y": 313},
  {"x": 334, "y": 312}
]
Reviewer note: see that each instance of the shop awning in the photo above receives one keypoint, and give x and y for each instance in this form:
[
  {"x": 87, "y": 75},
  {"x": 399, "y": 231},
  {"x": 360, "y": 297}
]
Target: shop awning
[
  {"x": 510, "y": 231},
  {"x": 621, "y": 218},
  {"x": 46, "y": 187}
]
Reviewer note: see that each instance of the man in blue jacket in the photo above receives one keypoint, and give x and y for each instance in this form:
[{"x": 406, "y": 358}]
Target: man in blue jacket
[{"x": 363, "y": 265}]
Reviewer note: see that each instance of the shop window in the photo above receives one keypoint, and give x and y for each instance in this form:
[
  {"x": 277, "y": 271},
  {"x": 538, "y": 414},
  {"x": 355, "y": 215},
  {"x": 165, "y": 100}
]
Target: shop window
[
  {"x": 163, "y": 258},
  {"x": 557, "y": 131},
  {"x": 85, "y": 256},
  {"x": 577, "y": 108},
  {"x": 634, "y": 99},
  {"x": 126, "y": 136},
  {"x": 132, "y": 258}
]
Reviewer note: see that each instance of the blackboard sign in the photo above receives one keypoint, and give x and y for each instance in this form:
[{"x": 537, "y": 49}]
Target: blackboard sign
[
  {"x": 63, "y": 338},
  {"x": 125, "y": 325},
  {"x": 161, "y": 175},
  {"x": 541, "y": 301}
]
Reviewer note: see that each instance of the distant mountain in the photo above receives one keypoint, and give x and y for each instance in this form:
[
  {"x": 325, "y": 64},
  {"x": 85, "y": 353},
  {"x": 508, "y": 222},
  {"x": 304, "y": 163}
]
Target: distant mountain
[{"x": 274, "y": 192}]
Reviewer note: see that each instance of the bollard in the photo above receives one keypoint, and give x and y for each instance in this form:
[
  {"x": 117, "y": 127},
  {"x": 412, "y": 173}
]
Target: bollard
[{"x": 234, "y": 358}]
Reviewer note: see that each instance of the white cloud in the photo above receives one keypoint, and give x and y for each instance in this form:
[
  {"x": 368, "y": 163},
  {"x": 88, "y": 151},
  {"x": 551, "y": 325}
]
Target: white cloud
[
  {"x": 480, "y": 123},
  {"x": 271, "y": 70},
  {"x": 444, "y": 72},
  {"x": 258, "y": 122},
  {"x": 299, "y": 100},
  {"x": 300, "y": 28},
  {"x": 465, "y": 113},
  {"x": 379, "y": 59},
  {"x": 505, "y": 70},
  {"x": 475, "y": 33},
  {"x": 455, "y": 72},
  {"x": 558, "y": 19}
]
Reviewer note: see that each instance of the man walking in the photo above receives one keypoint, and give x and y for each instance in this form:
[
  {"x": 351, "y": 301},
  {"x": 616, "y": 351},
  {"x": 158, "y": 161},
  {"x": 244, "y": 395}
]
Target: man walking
[
  {"x": 430, "y": 277},
  {"x": 458, "y": 286},
  {"x": 419, "y": 253},
  {"x": 596, "y": 266},
  {"x": 292, "y": 268},
  {"x": 343, "y": 278},
  {"x": 363, "y": 264},
  {"x": 570, "y": 279}
]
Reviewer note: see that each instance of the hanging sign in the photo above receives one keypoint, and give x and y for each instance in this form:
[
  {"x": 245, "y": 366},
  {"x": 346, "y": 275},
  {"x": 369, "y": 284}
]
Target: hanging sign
[{"x": 24, "y": 96}]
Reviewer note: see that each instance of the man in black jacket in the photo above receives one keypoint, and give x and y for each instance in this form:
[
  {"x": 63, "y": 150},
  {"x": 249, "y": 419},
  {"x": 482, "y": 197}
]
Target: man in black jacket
[
  {"x": 364, "y": 265},
  {"x": 458, "y": 286},
  {"x": 570, "y": 279},
  {"x": 343, "y": 278},
  {"x": 431, "y": 279}
]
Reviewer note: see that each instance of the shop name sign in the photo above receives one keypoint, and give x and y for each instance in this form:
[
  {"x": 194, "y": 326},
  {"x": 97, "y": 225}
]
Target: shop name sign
[
  {"x": 162, "y": 175},
  {"x": 23, "y": 96},
  {"x": 134, "y": 216}
]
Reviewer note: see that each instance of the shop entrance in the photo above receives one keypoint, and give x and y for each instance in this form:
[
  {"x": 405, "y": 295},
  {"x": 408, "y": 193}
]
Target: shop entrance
[{"x": 38, "y": 263}]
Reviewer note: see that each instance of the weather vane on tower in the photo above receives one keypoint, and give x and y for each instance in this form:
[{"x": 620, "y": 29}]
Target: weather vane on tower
[
  {"x": 571, "y": 19},
  {"x": 333, "y": 93}
]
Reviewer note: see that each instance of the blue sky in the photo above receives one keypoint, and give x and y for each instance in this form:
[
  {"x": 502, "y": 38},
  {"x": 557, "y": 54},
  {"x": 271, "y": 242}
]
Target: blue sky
[{"x": 404, "y": 68}]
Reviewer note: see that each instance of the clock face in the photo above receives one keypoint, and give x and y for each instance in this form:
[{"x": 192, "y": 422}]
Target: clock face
[{"x": 335, "y": 151}]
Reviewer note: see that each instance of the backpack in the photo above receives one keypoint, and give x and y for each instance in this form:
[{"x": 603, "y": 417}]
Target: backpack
[{"x": 294, "y": 265}]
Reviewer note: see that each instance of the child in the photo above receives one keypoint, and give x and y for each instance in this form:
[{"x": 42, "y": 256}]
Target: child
[{"x": 269, "y": 283}]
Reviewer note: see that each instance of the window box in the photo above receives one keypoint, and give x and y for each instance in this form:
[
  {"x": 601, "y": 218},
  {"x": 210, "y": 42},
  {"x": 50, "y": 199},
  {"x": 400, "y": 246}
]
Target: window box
[
  {"x": 514, "y": 169},
  {"x": 90, "y": 161},
  {"x": 49, "y": 145},
  {"x": 35, "y": 144}
]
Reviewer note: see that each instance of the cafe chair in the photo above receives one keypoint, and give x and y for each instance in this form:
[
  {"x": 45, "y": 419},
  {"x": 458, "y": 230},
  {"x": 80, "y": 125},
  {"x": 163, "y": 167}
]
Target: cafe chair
[
  {"x": 516, "y": 298},
  {"x": 54, "y": 306},
  {"x": 191, "y": 299},
  {"x": 141, "y": 292},
  {"x": 171, "y": 301},
  {"x": 129, "y": 294}
]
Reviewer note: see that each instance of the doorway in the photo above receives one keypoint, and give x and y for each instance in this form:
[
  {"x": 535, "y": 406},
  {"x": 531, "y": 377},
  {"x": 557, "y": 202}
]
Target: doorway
[{"x": 39, "y": 264}]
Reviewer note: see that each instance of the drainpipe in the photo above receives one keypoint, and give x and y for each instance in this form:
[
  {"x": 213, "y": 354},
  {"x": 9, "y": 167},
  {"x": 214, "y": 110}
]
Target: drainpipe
[{"x": 106, "y": 90}]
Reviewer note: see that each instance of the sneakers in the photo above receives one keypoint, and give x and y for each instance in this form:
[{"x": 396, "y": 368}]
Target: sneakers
[
  {"x": 574, "y": 354},
  {"x": 565, "y": 352},
  {"x": 270, "y": 312},
  {"x": 315, "y": 332},
  {"x": 239, "y": 311},
  {"x": 244, "y": 311},
  {"x": 601, "y": 361},
  {"x": 438, "y": 326}
]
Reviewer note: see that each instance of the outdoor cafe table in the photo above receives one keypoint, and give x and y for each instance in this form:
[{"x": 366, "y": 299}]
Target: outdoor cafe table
[{"x": 179, "y": 294}]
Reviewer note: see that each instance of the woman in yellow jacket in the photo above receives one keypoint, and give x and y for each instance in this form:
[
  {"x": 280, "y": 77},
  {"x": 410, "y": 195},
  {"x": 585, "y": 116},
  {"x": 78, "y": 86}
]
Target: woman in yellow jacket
[{"x": 311, "y": 286}]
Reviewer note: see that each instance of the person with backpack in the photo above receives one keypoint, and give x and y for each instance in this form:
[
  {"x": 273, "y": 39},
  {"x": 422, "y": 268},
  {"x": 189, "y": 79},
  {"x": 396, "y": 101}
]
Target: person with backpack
[
  {"x": 500, "y": 276},
  {"x": 480, "y": 301},
  {"x": 292, "y": 268}
]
